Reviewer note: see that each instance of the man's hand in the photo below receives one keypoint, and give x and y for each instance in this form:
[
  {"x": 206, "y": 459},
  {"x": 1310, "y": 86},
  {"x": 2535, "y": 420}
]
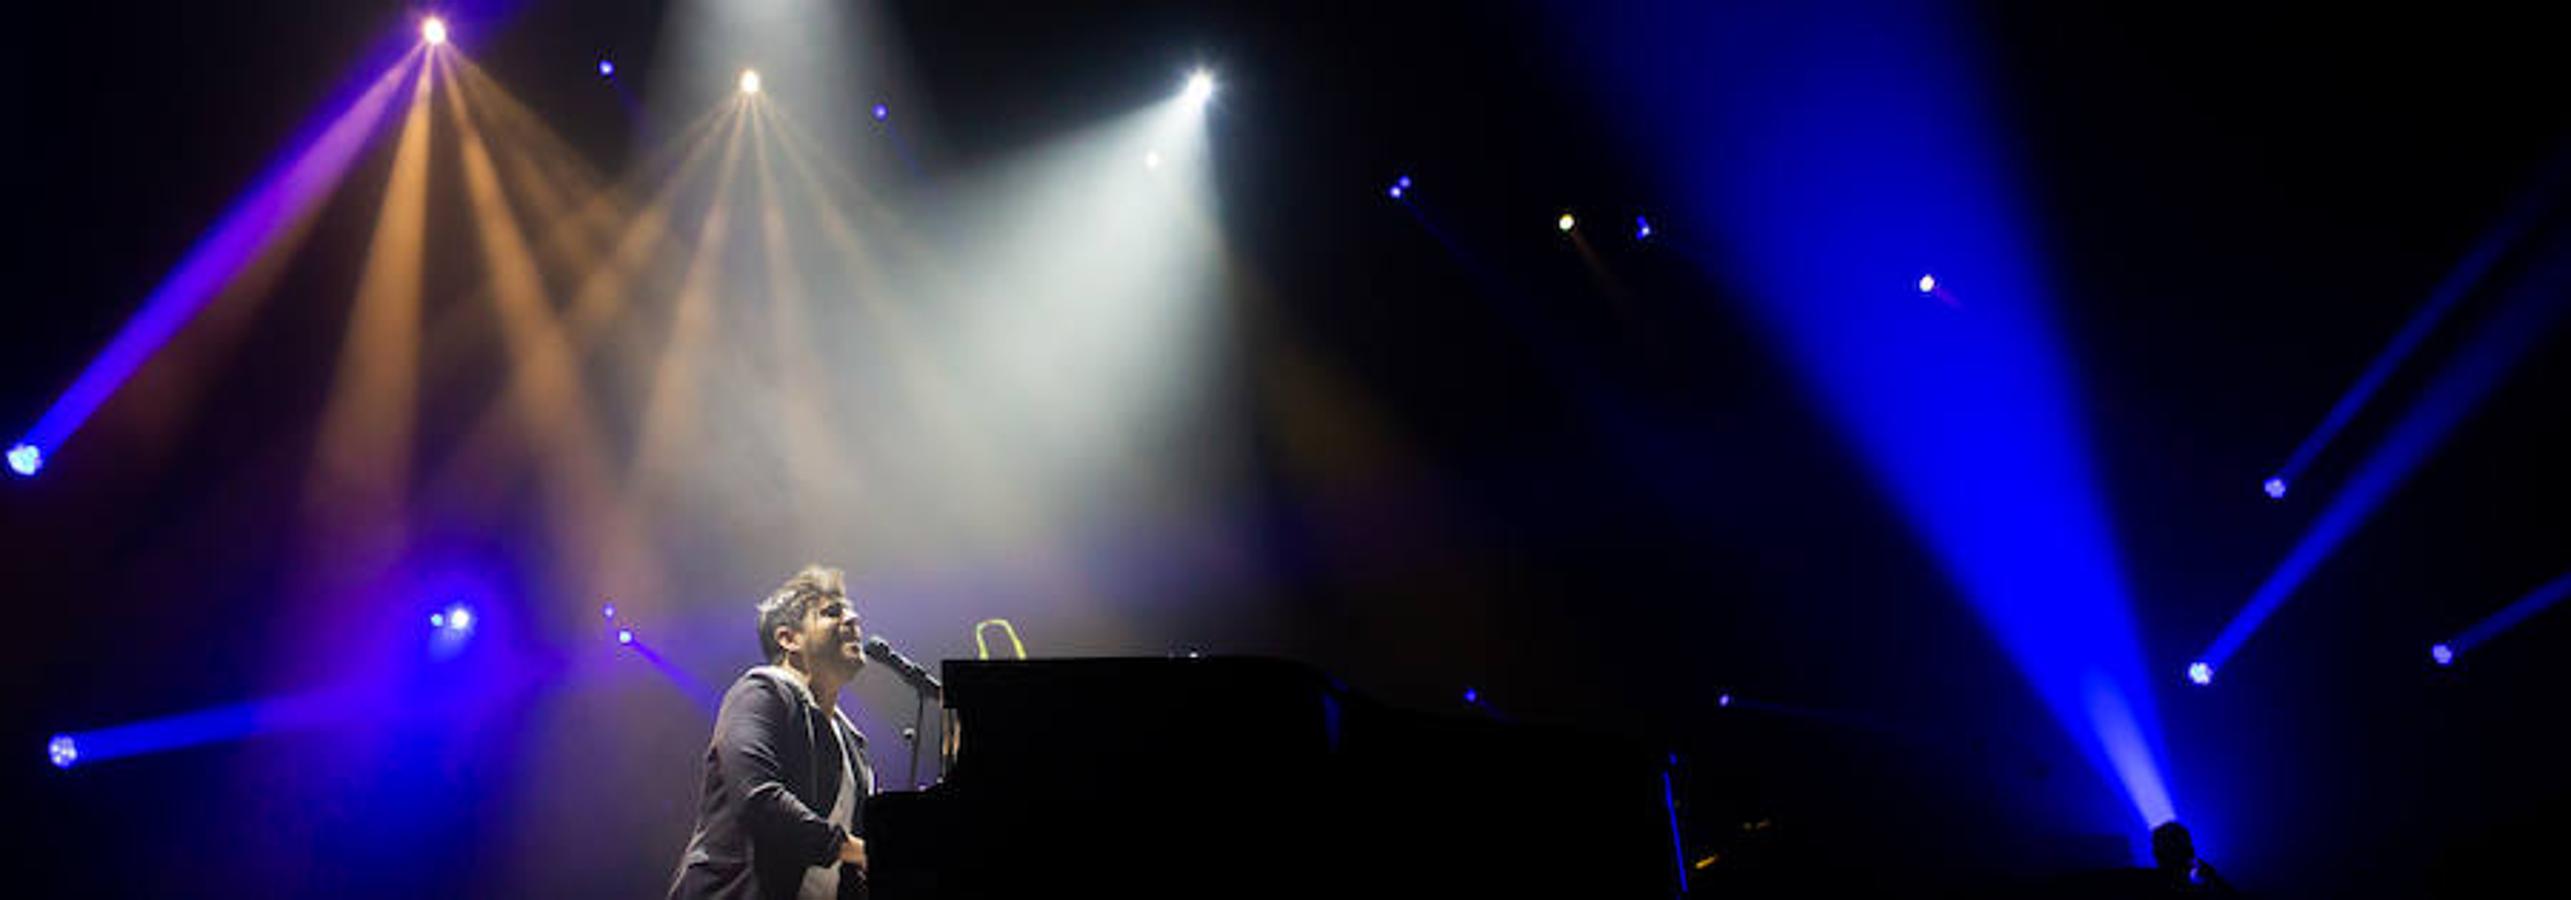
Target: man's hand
[{"x": 853, "y": 851}]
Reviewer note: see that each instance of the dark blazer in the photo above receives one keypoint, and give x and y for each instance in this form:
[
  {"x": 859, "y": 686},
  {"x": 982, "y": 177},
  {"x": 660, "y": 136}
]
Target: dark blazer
[{"x": 760, "y": 825}]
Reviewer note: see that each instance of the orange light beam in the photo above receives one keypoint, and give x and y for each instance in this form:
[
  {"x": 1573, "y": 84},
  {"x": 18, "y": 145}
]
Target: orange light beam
[
  {"x": 547, "y": 391},
  {"x": 600, "y": 298},
  {"x": 545, "y": 172},
  {"x": 672, "y": 389},
  {"x": 667, "y": 409},
  {"x": 356, "y": 488}
]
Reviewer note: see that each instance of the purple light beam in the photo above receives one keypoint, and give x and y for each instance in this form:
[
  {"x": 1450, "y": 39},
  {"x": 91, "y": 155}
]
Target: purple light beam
[{"x": 291, "y": 189}]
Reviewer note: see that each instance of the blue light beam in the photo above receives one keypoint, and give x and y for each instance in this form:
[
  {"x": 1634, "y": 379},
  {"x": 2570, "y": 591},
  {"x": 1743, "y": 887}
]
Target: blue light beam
[
  {"x": 704, "y": 693},
  {"x": 209, "y": 726},
  {"x": 2458, "y": 283},
  {"x": 1830, "y": 152},
  {"x": 2534, "y": 305},
  {"x": 2508, "y": 617},
  {"x": 289, "y": 191}
]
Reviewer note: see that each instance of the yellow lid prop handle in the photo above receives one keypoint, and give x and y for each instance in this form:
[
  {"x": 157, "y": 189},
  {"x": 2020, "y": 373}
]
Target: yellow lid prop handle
[{"x": 983, "y": 650}]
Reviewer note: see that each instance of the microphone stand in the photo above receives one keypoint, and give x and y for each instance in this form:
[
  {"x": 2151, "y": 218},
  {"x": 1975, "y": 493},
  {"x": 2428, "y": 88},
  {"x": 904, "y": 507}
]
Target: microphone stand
[
  {"x": 919, "y": 721},
  {"x": 921, "y": 683},
  {"x": 919, "y": 715}
]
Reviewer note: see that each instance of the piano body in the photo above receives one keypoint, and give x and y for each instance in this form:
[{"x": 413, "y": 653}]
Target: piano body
[{"x": 1244, "y": 777}]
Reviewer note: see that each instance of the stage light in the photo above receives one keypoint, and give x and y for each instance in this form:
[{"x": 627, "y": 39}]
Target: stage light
[
  {"x": 1152, "y": 159},
  {"x": 1725, "y": 700},
  {"x": 625, "y": 636},
  {"x": 433, "y": 30},
  {"x": 2444, "y": 655},
  {"x": 452, "y": 628},
  {"x": 25, "y": 459},
  {"x": 457, "y": 618},
  {"x": 1565, "y": 223},
  {"x": 606, "y": 68},
  {"x": 609, "y": 610},
  {"x": 1928, "y": 284},
  {"x": 1400, "y": 186},
  {"x": 1200, "y": 88},
  {"x": 2275, "y": 488},
  {"x": 2200, "y": 673},
  {"x": 63, "y": 751},
  {"x": 1472, "y": 696},
  {"x": 882, "y": 112},
  {"x": 749, "y": 81}
]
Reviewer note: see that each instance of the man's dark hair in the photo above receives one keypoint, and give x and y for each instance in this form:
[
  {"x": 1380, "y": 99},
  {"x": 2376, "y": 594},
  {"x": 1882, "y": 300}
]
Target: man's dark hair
[{"x": 786, "y": 606}]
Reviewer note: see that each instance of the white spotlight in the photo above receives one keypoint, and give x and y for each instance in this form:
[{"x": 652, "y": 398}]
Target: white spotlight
[
  {"x": 1200, "y": 88},
  {"x": 1152, "y": 160},
  {"x": 749, "y": 81},
  {"x": 433, "y": 31}
]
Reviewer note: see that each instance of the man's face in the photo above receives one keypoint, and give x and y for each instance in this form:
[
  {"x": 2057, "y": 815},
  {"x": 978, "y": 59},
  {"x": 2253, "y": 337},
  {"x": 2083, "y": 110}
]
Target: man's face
[{"x": 830, "y": 636}]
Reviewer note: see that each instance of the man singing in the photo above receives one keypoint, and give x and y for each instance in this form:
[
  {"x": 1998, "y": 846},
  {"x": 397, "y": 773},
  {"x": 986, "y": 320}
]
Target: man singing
[{"x": 786, "y": 773}]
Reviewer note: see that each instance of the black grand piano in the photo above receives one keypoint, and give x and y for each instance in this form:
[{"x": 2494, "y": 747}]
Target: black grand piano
[{"x": 1242, "y": 777}]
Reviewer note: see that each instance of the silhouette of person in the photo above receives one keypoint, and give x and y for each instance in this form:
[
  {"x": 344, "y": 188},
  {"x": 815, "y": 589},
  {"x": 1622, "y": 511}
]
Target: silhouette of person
[{"x": 2176, "y": 870}]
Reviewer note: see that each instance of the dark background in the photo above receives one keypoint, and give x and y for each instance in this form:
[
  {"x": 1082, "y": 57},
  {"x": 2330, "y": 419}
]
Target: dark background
[{"x": 2243, "y": 208}]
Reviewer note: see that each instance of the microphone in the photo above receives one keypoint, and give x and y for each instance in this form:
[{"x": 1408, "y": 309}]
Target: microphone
[{"x": 916, "y": 675}]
